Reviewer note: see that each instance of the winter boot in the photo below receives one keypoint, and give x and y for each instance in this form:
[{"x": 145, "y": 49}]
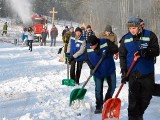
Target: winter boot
[
  {"x": 140, "y": 118},
  {"x": 135, "y": 118},
  {"x": 98, "y": 111}
]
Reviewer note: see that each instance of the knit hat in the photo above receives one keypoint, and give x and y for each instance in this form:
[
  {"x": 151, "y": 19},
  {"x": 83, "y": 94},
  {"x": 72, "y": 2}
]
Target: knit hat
[
  {"x": 92, "y": 40},
  {"x": 133, "y": 22},
  {"x": 88, "y": 26},
  {"x": 78, "y": 29},
  {"x": 140, "y": 20},
  {"x": 108, "y": 28}
]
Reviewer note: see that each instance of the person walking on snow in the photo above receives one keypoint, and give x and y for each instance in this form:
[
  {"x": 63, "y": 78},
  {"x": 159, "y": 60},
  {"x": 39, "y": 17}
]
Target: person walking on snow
[
  {"x": 44, "y": 35},
  {"x": 66, "y": 39},
  {"x": 30, "y": 38},
  {"x": 53, "y": 34},
  {"x": 5, "y": 26},
  {"x": 25, "y": 37},
  {"x": 108, "y": 34},
  {"x": 64, "y": 31},
  {"x": 141, "y": 79},
  {"x": 96, "y": 48},
  {"x": 75, "y": 50}
]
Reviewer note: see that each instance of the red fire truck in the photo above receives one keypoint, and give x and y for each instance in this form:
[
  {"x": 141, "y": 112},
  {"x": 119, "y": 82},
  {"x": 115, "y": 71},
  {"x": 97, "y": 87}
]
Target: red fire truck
[{"x": 39, "y": 23}]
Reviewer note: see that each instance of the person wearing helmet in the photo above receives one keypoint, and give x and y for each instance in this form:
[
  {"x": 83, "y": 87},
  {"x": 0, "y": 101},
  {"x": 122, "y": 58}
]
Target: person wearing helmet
[{"x": 141, "y": 79}]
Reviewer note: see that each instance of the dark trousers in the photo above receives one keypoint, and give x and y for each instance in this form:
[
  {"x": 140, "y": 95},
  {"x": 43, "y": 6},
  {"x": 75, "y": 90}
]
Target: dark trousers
[
  {"x": 75, "y": 75},
  {"x": 4, "y": 32},
  {"x": 65, "y": 50},
  {"x": 43, "y": 42},
  {"x": 111, "y": 80},
  {"x": 140, "y": 94},
  {"x": 30, "y": 44}
]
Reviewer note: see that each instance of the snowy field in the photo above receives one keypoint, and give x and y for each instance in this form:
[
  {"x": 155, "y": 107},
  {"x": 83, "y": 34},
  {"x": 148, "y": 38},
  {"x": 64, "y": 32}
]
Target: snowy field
[{"x": 30, "y": 87}]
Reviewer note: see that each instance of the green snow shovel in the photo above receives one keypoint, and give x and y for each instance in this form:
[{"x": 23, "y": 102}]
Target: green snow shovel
[
  {"x": 68, "y": 82},
  {"x": 79, "y": 93}
]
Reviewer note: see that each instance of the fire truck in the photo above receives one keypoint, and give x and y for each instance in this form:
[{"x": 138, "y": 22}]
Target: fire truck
[{"x": 38, "y": 23}]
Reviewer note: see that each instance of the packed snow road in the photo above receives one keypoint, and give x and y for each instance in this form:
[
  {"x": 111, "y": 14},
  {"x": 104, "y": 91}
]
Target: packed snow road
[{"x": 30, "y": 87}]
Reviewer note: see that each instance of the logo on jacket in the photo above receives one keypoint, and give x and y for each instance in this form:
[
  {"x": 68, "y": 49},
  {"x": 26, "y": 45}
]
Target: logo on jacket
[
  {"x": 143, "y": 46},
  {"x": 77, "y": 45}
]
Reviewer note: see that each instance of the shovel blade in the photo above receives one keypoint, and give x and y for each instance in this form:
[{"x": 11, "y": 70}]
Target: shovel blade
[
  {"x": 77, "y": 93},
  {"x": 68, "y": 82},
  {"x": 111, "y": 109}
]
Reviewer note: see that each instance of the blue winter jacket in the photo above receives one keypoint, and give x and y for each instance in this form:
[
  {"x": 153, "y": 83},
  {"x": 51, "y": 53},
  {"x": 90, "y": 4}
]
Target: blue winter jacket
[
  {"x": 75, "y": 47},
  {"x": 143, "y": 65},
  {"x": 107, "y": 67}
]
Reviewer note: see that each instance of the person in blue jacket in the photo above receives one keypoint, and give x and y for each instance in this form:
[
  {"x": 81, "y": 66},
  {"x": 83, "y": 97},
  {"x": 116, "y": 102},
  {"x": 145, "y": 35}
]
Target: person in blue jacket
[
  {"x": 95, "y": 49},
  {"x": 75, "y": 49},
  {"x": 141, "y": 79}
]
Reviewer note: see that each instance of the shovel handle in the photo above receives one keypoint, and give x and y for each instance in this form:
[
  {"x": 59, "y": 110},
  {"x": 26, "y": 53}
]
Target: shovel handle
[
  {"x": 67, "y": 68},
  {"x": 133, "y": 63},
  {"x": 94, "y": 70},
  {"x": 130, "y": 68}
]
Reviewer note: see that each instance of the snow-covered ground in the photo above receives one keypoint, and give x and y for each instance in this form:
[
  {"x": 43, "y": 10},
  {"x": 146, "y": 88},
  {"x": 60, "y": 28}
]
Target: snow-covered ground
[{"x": 31, "y": 89}]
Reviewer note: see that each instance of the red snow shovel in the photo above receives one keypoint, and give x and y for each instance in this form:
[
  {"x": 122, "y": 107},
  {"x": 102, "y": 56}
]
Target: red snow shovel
[{"x": 111, "y": 109}]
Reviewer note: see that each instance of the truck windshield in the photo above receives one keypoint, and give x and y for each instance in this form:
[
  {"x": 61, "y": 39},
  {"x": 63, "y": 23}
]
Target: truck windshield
[{"x": 38, "y": 20}]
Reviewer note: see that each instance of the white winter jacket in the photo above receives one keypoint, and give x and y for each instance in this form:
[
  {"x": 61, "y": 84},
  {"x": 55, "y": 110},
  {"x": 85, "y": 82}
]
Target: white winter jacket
[{"x": 30, "y": 35}]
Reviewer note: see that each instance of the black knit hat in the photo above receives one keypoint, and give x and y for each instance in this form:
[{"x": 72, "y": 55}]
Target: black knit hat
[
  {"x": 108, "y": 28},
  {"x": 140, "y": 20},
  {"x": 92, "y": 40},
  {"x": 78, "y": 29}
]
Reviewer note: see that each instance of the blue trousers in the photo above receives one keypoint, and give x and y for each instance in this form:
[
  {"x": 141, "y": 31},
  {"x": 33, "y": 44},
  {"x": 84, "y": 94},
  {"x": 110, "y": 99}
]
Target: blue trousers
[
  {"x": 53, "y": 41},
  {"x": 111, "y": 80}
]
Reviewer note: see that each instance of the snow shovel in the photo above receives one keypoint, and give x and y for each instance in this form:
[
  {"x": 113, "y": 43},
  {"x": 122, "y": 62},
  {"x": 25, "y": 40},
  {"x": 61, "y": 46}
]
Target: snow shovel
[
  {"x": 68, "y": 81},
  {"x": 111, "y": 109},
  {"x": 79, "y": 93}
]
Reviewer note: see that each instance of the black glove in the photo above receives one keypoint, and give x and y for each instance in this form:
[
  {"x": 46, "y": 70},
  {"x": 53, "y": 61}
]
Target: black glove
[
  {"x": 71, "y": 59},
  {"x": 124, "y": 79},
  {"x": 91, "y": 67},
  {"x": 67, "y": 55},
  {"x": 142, "y": 52}
]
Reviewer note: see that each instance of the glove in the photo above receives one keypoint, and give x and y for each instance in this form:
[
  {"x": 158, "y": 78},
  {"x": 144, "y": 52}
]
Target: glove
[
  {"x": 116, "y": 56},
  {"x": 67, "y": 55},
  {"x": 91, "y": 67},
  {"x": 124, "y": 79},
  {"x": 71, "y": 59},
  {"x": 142, "y": 52}
]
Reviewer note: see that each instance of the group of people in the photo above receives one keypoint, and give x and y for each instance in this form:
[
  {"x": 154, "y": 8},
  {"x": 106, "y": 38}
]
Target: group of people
[
  {"x": 83, "y": 45},
  {"x": 53, "y": 34},
  {"x": 28, "y": 36}
]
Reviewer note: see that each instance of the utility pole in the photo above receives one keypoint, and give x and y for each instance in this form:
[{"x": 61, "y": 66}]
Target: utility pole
[{"x": 53, "y": 12}]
